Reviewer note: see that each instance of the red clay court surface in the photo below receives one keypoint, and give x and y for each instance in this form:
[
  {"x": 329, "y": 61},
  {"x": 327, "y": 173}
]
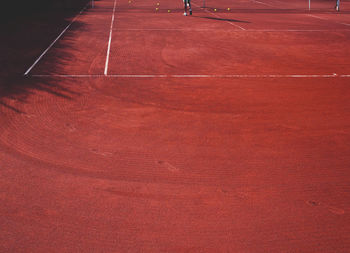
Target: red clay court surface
[{"x": 220, "y": 132}]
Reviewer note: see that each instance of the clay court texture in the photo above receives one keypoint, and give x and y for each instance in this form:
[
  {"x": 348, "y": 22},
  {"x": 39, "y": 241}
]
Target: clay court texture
[{"x": 126, "y": 128}]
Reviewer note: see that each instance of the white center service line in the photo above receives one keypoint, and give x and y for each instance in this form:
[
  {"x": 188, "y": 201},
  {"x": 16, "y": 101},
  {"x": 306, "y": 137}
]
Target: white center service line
[
  {"x": 53, "y": 43},
  {"x": 110, "y": 40}
]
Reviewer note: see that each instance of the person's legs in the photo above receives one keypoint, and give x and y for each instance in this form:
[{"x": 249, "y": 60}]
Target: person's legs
[
  {"x": 189, "y": 5},
  {"x": 185, "y": 8},
  {"x": 337, "y": 5}
]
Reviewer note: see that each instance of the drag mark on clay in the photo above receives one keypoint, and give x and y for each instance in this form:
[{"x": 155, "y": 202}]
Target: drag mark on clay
[
  {"x": 332, "y": 209},
  {"x": 155, "y": 194},
  {"x": 98, "y": 152},
  {"x": 168, "y": 166},
  {"x": 70, "y": 127},
  {"x": 135, "y": 194}
]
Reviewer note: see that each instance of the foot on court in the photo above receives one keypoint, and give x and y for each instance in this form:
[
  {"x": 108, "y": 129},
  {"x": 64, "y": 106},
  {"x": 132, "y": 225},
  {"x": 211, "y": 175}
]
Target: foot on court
[{"x": 185, "y": 14}]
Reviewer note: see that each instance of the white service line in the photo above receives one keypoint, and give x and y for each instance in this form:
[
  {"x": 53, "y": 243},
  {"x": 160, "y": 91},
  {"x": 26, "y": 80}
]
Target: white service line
[
  {"x": 110, "y": 40},
  {"x": 53, "y": 43},
  {"x": 169, "y": 29},
  {"x": 220, "y": 18},
  {"x": 334, "y": 75},
  {"x": 231, "y": 31}
]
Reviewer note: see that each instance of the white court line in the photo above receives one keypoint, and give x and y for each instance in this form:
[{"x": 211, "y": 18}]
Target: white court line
[
  {"x": 270, "y": 5},
  {"x": 220, "y": 18},
  {"x": 232, "y": 31},
  {"x": 313, "y": 16},
  {"x": 168, "y": 29},
  {"x": 328, "y": 20},
  {"x": 334, "y": 75},
  {"x": 51, "y": 45},
  {"x": 110, "y": 40},
  {"x": 310, "y": 15}
]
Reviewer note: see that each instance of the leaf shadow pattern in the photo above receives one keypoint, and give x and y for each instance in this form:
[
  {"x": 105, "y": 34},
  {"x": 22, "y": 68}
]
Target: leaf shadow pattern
[
  {"x": 18, "y": 90},
  {"x": 27, "y": 37}
]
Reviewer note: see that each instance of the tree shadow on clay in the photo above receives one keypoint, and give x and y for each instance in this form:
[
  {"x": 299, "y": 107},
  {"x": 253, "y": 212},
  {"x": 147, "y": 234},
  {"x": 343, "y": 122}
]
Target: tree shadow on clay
[
  {"x": 27, "y": 37},
  {"x": 226, "y": 19},
  {"x": 15, "y": 91}
]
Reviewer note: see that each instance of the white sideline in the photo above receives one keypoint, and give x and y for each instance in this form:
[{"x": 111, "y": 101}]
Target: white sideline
[
  {"x": 51, "y": 45},
  {"x": 110, "y": 40}
]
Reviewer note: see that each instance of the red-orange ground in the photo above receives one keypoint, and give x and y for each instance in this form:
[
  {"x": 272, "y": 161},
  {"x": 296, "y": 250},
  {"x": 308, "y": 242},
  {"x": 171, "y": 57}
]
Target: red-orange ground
[{"x": 179, "y": 163}]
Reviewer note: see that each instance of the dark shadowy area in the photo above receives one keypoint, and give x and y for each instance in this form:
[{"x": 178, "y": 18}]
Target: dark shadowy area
[
  {"x": 226, "y": 19},
  {"x": 14, "y": 91},
  {"x": 12, "y": 9},
  {"x": 28, "y": 28}
]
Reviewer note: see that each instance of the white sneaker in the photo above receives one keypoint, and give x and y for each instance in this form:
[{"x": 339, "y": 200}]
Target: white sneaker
[{"x": 185, "y": 14}]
